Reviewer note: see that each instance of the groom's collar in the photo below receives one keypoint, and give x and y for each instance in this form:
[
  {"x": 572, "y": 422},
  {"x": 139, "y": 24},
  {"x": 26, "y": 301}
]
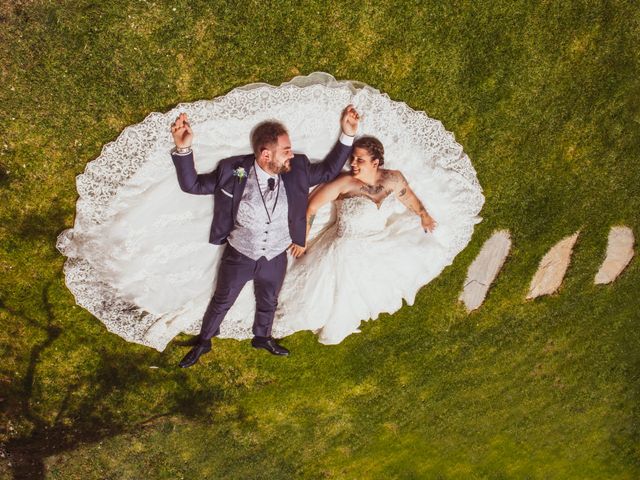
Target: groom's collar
[{"x": 263, "y": 176}]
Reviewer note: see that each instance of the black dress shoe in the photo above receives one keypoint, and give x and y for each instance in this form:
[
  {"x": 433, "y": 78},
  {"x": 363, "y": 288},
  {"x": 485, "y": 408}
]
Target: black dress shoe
[
  {"x": 270, "y": 345},
  {"x": 194, "y": 354}
]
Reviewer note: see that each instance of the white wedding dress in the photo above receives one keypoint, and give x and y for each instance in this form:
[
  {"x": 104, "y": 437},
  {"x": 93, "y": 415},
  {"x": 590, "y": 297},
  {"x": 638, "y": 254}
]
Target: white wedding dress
[{"x": 139, "y": 257}]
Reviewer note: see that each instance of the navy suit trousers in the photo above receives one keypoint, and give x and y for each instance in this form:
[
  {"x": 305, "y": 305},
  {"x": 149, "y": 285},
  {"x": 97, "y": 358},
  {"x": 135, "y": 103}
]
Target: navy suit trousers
[{"x": 235, "y": 271}]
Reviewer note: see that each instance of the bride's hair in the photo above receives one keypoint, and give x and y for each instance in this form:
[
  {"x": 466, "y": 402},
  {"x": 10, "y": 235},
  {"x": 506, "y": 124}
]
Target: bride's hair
[
  {"x": 373, "y": 146},
  {"x": 266, "y": 134}
]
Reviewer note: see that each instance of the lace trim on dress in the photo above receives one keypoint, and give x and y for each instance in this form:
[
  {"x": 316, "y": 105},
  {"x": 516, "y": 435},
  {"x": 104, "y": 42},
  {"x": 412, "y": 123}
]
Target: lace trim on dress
[{"x": 138, "y": 145}]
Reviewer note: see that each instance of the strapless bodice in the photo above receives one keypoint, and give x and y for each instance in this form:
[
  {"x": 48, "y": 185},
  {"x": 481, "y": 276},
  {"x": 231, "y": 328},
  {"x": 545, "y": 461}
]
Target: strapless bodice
[{"x": 360, "y": 216}]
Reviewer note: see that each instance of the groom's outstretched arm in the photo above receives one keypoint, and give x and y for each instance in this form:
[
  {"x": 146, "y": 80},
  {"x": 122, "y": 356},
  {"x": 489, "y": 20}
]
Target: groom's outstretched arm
[
  {"x": 330, "y": 167},
  {"x": 188, "y": 178},
  {"x": 190, "y": 181}
]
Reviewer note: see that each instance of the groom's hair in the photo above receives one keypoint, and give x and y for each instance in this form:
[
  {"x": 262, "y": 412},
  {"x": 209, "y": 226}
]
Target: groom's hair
[
  {"x": 266, "y": 134},
  {"x": 373, "y": 146}
]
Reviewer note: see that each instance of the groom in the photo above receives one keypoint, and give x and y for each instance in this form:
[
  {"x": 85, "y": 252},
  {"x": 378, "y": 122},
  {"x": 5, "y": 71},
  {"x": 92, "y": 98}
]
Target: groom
[{"x": 260, "y": 203}]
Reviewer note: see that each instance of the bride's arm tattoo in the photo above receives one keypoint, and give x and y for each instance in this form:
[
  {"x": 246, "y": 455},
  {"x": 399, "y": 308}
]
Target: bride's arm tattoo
[
  {"x": 407, "y": 197},
  {"x": 396, "y": 181},
  {"x": 418, "y": 209},
  {"x": 310, "y": 218}
]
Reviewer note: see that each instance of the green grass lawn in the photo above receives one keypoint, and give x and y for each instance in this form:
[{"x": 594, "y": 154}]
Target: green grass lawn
[{"x": 544, "y": 97}]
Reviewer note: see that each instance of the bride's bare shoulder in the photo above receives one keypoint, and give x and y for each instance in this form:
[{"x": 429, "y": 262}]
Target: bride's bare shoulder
[
  {"x": 392, "y": 176},
  {"x": 337, "y": 186}
]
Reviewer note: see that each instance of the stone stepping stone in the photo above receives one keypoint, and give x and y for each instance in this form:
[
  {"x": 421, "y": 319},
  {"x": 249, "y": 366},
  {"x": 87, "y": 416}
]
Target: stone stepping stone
[
  {"x": 552, "y": 268},
  {"x": 619, "y": 254},
  {"x": 484, "y": 269}
]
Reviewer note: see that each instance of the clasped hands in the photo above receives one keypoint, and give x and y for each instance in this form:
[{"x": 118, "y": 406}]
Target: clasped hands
[{"x": 349, "y": 124}]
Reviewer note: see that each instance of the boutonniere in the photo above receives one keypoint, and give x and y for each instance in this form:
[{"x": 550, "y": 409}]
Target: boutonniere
[{"x": 240, "y": 172}]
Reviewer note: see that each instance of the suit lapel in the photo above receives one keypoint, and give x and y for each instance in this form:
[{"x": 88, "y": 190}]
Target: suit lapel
[
  {"x": 288, "y": 181},
  {"x": 239, "y": 185}
]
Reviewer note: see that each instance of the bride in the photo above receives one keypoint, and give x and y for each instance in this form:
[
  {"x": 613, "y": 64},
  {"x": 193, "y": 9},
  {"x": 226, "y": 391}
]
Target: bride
[
  {"x": 336, "y": 312},
  {"x": 139, "y": 257}
]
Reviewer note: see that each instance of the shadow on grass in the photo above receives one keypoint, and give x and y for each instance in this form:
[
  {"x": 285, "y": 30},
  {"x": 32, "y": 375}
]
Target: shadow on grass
[
  {"x": 42, "y": 225},
  {"x": 92, "y": 418},
  {"x": 4, "y": 176}
]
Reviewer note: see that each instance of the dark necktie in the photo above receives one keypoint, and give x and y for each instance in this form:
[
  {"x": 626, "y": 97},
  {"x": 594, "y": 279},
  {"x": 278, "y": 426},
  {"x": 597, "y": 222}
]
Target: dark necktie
[{"x": 271, "y": 183}]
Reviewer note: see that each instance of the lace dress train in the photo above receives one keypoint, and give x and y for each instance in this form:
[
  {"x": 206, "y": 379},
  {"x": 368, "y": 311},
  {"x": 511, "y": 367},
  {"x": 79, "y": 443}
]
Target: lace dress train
[{"x": 139, "y": 257}]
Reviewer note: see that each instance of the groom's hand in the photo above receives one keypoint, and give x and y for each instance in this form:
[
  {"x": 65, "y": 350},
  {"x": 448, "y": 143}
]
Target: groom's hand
[
  {"x": 349, "y": 121},
  {"x": 296, "y": 250},
  {"x": 181, "y": 131}
]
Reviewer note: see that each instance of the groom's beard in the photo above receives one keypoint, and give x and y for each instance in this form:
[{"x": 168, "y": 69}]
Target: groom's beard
[{"x": 278, "y": 169}]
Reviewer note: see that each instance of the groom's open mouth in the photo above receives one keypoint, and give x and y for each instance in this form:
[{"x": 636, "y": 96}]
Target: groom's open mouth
[{"x": 355, "y": 171}]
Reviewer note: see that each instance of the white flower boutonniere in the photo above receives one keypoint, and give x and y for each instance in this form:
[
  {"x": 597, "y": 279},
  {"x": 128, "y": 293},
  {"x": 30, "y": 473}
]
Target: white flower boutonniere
[{"x": 240, "y": 172}]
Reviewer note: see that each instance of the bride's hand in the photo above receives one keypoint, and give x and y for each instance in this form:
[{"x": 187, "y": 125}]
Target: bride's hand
[
  {"x": 296, "y": 250},
  {"x": 349, "y": 120},
  {"x": 428, "y": 224},
  {"x": 181, "y": 131}
]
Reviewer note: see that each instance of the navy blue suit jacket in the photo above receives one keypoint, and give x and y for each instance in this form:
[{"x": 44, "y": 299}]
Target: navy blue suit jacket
[{"x": 227, "y": 189}]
